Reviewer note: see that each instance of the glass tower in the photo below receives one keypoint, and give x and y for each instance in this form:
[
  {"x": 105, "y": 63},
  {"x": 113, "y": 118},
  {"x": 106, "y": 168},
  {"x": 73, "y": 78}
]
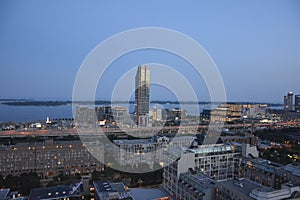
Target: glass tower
[
  {"x": 142, "y": 94},
  {"x": 288, "y": 101},
  {"x": 297, "y": 103}
]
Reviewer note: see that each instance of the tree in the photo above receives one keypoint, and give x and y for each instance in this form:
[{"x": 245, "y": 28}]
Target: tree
[
  {"x": 29, "y": 181},
  {"x": 12, "y": 182},
  {"x": 1, "y": 181}
]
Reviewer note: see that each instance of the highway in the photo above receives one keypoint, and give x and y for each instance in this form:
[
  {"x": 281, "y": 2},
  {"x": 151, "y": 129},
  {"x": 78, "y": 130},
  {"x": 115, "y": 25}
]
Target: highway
[{"x": 140, "y": 130}]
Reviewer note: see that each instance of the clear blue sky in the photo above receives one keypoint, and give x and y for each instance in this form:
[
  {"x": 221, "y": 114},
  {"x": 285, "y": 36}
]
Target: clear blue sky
[{"x": 255, "y": 44}]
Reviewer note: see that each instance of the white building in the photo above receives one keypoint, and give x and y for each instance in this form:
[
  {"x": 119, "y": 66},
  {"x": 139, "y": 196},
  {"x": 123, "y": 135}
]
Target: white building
[
  {"x": 147, "y": 151},
  {"x": 215, "y": 161}
]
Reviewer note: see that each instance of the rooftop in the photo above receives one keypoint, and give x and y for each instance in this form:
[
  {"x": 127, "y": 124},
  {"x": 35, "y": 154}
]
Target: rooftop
[
  {"x": 200, "y": 182},
  {"x": 241, "y": 186},
  {"x": 268, "y": 163},
  {"x": 138, "y": 141},
  {"x": 48, "y": 193},
  {"x": 148, "y": 193},
  {"x": 4, "y": 193},
  {"x": 212, "y": 148},
  {"x": 293, "y": 168},
  {"x": 105, "y": 190},
  {"x": 103, "y": 186}
]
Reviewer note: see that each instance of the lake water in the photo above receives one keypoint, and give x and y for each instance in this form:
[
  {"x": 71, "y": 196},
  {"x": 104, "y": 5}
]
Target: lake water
[{"x": 34, "y": 113}]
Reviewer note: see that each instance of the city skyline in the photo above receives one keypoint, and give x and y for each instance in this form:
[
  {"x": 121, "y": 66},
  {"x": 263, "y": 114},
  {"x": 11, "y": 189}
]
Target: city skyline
[
  {"x": 254, "y": 44},
  {"x": 149, "y": 100}
]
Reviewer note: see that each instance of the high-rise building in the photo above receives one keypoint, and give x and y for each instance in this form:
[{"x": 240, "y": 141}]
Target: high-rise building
[
  {"x": 142, "y": 95},
  {"x": 288, "y": 101},
  {"x": 297, "y": 103}
]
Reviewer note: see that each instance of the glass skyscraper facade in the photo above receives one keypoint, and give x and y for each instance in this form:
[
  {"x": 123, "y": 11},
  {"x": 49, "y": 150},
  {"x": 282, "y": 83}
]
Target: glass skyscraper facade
[
  {"x": 288, "y": 101},
  {"x": 297, "y": 103},
  {"x": 142, "y": 95}
]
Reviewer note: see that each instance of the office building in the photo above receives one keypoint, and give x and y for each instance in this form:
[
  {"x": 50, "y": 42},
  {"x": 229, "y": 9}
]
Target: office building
[
  {"x": 104, "y": 113},
  {"x": 297, "y": 103},
  {"x": 85, "y": 116},
  {"x": 254, "y": 110},
  {"x": 157, "y": 114},
  {"x": 225, "y": 112},
  {"x": 288, "y": 101},
  {"x": 142, "y": 95},
  {"x": 121, "y": 116}
]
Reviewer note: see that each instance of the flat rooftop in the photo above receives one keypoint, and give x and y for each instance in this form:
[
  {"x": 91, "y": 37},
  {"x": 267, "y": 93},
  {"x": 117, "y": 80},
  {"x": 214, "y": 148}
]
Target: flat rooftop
[
  {"x": 242, "y": 186},
  {"x": 138, "y": 141},
  {"x": 49, "y": 193},
  {"x": 148, "y": 193},
  {"x": 103, "y": 186}
]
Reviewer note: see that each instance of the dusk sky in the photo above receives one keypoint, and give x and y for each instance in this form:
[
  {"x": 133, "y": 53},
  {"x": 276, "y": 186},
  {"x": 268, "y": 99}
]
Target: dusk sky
[{"x": 255, "y": 44}]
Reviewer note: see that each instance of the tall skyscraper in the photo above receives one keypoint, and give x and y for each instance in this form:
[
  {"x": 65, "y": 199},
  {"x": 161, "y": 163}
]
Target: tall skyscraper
[
  {"x": 142, "y": 95},
  {"x": 297, "y": 103},
  {"x": 288, "y": 101}
]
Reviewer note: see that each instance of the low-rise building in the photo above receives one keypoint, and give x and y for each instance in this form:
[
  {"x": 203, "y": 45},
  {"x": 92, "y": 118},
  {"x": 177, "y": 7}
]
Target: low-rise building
[
  {"x": 245, "y": 189},
  {"x": 75, "y": 191},
  {"x": 248, "y": 139},
  {"x": 263, "y": 172},
  {"x": 195, "y": 185},
  {"x": 235, "y": 189},
  {"x": 111, "y": 191}
]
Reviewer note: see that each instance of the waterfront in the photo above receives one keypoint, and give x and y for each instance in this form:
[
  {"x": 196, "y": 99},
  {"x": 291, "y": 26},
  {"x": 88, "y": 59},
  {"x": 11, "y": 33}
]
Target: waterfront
[{"x": 34, "y": 113}]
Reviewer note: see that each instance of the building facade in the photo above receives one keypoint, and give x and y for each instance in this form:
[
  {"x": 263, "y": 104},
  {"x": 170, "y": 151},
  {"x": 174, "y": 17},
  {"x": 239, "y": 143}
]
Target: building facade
[
  {"x": 227, "y": 172},
  {"x": 48, "y": 158},
  {"x": 245, "y": 189},
  {"x": 134, "y": 153},
  {"x": 288, "y": 101},
  {"x": 142, "y": 95},
  {"x": 215, "y": 161},
  {"x": 225, "y": 112},
  {"x": 111, "y": 191},
  {"x": 297, "y": 103}
]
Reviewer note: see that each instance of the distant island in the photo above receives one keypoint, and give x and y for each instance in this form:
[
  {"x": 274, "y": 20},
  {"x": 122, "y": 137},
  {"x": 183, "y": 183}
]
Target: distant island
[
  {"x": 16, "y": 99},
  {"x": 37, "y": 103},
  {"x": 26, "y": 102}
]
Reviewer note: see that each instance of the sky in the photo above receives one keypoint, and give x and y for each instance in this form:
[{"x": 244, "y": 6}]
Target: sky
[{"x": 255, "y": 45}]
